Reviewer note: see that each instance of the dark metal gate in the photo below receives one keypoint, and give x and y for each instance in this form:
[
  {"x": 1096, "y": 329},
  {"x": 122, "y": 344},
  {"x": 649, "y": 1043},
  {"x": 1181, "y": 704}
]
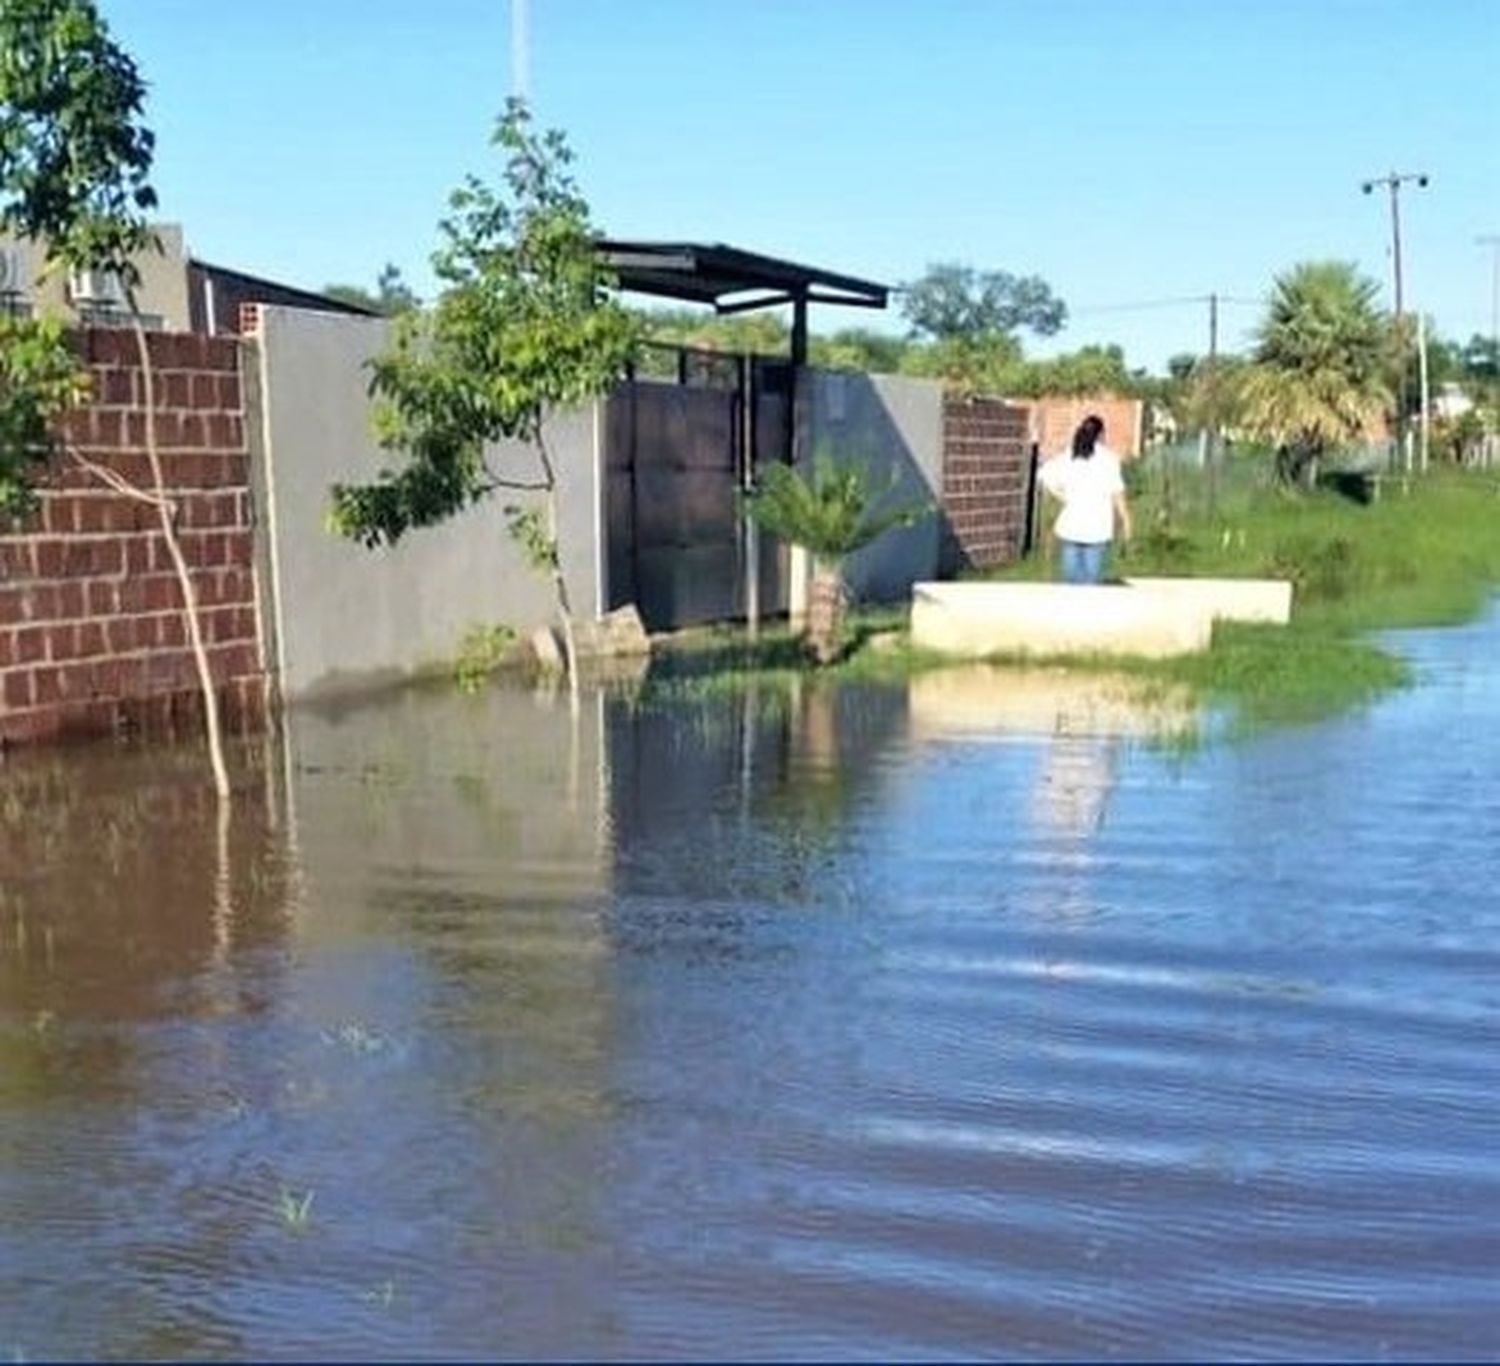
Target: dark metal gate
[{"x": 678, "y": 452}]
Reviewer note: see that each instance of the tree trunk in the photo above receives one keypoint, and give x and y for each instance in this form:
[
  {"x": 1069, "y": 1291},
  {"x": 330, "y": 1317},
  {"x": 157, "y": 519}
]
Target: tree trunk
[
  {"x": 559, "y": 583},
  {"x": 167, "y": 514},
  {"x": 825, "y": 611}
]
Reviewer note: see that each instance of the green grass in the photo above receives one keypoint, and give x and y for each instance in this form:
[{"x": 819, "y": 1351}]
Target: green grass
[
  {"x": 1425, "y": 553},
  {"x": 1428, "y": 554},
  {"x": 717, "y": 661},
  {"x": 295, "y": 1210},
  {"x": 1271, "y": 675}
]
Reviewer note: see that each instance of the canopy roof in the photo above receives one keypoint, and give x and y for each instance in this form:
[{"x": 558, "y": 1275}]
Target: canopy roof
[{"x": 734, "y": 281}]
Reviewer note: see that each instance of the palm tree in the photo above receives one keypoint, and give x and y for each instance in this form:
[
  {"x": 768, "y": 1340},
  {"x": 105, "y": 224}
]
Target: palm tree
[
  {"x": 831, "y": 514},
  {"x": 1322, "y": 359}
]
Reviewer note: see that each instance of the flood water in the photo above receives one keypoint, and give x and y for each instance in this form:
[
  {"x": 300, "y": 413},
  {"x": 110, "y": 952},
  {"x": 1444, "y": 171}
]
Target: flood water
[{"x": 922, "y": 1021}]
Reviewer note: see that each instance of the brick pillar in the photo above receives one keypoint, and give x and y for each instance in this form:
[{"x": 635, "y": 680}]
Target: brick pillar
[{"x": 986, "y": 482}]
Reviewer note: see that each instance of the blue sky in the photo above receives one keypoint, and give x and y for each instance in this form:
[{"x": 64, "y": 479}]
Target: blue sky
[{"x": 1128, "y": 151}]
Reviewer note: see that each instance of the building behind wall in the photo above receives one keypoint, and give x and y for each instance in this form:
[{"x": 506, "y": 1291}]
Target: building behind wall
[
  {"x": 176, "y": 293},
  {"x": 1055, "y": 417}
]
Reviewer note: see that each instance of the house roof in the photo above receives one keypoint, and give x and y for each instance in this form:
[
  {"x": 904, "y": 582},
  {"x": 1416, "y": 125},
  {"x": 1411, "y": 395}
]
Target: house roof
[
  {"x": 712, "y": 273},
  {"x": 281, "y": 293}
]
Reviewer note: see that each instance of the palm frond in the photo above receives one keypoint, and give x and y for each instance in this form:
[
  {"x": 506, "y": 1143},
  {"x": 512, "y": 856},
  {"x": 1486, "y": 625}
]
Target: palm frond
[{"x": 831, "y": 512}]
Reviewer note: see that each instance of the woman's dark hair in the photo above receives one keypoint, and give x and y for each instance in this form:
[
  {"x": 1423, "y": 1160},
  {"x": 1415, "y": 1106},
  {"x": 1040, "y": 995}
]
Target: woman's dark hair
[{"x": 1087, "y": 437}]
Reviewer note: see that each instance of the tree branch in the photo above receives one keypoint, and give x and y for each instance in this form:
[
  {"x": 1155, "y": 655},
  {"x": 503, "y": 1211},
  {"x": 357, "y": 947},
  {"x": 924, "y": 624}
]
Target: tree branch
[
  {"x": 119, "y": 483},
  {"x": 526, "y": 486}
]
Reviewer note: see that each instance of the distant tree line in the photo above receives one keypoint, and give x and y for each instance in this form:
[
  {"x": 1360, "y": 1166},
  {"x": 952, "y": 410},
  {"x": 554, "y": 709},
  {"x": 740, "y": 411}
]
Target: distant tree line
[{"x": 1326, "y": 363}]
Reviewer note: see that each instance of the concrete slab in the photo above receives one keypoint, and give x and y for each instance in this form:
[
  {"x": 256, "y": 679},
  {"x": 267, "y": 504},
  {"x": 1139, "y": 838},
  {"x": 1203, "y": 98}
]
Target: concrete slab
[
  {"x": 1265, "y": 600},
  {"x": 975, "y": 620}
]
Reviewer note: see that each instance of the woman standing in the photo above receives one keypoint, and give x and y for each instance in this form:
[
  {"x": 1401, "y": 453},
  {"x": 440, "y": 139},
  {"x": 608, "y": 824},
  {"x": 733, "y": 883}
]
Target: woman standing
[{"x": 1088, "y": 484}]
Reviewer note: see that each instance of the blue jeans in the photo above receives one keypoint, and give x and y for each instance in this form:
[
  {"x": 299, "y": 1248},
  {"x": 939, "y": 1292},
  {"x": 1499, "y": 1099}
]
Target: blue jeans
[{"x": 1083, "y": 561}]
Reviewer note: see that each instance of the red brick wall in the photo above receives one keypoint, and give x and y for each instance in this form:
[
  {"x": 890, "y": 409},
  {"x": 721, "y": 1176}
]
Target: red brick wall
[
  {"x": 92, "y": 635},
  {"x": 986, "y": 482},
  {"x": 1055, "y": 417}
]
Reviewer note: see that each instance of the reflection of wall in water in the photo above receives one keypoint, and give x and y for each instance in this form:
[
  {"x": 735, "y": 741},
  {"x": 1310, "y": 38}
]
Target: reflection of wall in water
[
  {"x": 472, "y": 830},
  {"x": 500, "y": 793},
  {"x": 710, "y": 793},
  {"x": 119, "y": 884},
  {"x": 455, "y": 849},
  {"x": 1073, "y": 785}
]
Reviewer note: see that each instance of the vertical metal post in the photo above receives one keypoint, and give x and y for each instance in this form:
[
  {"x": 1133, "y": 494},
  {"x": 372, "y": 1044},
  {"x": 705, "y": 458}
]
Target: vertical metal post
[
  {"x": 799, "y": 330},
  {"x": 520, "y": 44},
  {"x": 1490, "y": 437},
  {"x": 1213, "y": 402},
  {"x": 1395, "y": 185},
  {"x": 1492, "y": 241},
  {"x": 747, "y": 484},
  {"x": 1425, "y": 396}
]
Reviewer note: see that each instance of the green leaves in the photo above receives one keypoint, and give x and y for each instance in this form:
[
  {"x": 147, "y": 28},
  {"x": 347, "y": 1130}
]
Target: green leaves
[
  {"x": 40, "y": 379},
  {"x": 73, "y": 166},
  {"x": 74, "y": 156},
  {"x": 525, "y": 323},
  {"x": 832, "y": 513},
  {"x": 956, "y": 302}
]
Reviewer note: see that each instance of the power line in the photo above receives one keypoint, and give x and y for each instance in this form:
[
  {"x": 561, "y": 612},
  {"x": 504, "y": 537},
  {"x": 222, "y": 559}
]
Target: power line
[{"x": 1196, "y": 300}]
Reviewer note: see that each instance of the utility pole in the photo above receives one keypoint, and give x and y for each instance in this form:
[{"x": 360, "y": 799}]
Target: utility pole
[
  {"x": 520, "y": 50},
  {"x": 1213, "y": 402},
  {"x": 1492, "y": 241},
  {"x": 1393, "y": 182},
  {"x": 1426, "y": 395}
]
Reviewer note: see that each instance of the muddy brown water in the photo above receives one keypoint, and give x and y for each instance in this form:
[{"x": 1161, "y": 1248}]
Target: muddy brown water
[{"x": 855, "y": 1024}]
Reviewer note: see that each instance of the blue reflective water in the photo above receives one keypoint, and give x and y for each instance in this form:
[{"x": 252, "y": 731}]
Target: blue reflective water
[{"x": 861, "y": 1023}]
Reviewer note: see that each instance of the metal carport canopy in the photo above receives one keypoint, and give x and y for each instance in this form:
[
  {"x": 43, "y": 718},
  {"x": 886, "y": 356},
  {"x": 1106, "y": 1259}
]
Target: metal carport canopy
[{"x": 711, "y": 273}]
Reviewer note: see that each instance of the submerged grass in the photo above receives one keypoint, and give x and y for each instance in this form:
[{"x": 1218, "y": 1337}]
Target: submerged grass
[{"x": 1426, "y": 552}]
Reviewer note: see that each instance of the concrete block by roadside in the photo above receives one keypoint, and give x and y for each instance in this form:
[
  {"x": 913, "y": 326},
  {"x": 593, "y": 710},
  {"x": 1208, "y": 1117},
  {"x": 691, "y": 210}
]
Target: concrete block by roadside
[
  {"x": 616, "y": 635},
  {"x": 1260, "y": 600},
  {"x": 547, "y": 649},
  {"x": 975, "y": 620}
]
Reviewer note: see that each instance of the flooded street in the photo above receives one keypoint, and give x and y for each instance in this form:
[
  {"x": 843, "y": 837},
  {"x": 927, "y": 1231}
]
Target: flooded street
[{"x": 863, "y": 1023}]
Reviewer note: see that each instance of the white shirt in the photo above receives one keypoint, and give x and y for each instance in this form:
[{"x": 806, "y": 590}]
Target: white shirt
[{"x": 1087, "y": 490}]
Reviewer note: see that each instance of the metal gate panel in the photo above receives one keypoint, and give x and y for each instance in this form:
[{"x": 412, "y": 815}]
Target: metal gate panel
[{"x": 675, "y": 455}]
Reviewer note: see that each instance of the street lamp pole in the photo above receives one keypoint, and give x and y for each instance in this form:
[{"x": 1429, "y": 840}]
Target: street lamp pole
[
  {"x": 1393, "y": 182},
  {"x": 520, "y": 50},
  {"x": 1492, "y": 241}
]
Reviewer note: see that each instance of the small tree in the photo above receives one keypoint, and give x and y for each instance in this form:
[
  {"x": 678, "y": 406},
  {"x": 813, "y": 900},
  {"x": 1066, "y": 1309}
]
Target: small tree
[
  {"x": 1320, "y": 367},
  {"x": 831, "y": 514},
  {"x": 75, "y": 161},
  {"x": 524, "y": 324}
]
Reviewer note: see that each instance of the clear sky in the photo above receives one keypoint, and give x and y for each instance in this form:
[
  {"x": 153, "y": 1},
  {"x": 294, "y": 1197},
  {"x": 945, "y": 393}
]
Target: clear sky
[{"x": 1128, "y": 151}]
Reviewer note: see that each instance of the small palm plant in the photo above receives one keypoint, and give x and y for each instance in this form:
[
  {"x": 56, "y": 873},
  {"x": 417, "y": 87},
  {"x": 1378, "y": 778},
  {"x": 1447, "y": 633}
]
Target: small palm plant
[{"x": 830, "y": 514}]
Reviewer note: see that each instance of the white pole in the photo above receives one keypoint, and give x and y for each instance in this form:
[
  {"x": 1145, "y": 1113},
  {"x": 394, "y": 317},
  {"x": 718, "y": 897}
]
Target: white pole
[
  {"x": 520, "y": 50},
  {"x": 1422, "y": 372}
]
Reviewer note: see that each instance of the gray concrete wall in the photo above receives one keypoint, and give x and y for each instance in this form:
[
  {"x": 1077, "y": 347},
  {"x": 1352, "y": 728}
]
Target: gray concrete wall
[
  {"x": 888, "y": 423},
  {"x": 340, "y": 616}
]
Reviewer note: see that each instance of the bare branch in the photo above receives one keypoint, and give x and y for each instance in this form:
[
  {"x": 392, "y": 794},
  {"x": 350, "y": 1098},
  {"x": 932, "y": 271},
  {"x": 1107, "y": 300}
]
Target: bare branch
[
  {"x": 498, "y": 481},
  {"x": 119, "y": 483}
]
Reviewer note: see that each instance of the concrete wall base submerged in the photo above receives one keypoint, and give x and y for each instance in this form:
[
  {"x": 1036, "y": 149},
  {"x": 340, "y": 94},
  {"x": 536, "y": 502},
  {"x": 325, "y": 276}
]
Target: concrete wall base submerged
[{"x": 976, "y": 620}]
